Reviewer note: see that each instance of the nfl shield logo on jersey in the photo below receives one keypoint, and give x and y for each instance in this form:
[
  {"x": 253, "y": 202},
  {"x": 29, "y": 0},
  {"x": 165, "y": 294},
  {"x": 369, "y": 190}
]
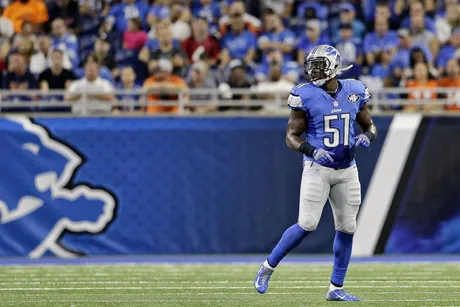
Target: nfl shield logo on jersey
[
  {"x": 353, "y": 98},
  {"x": 336, "y": 103}
]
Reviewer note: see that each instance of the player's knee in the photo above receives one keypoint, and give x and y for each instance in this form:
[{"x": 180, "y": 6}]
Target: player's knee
[
  {"x": 309, "y": 223},
  {"x": 348, "y": 226}
]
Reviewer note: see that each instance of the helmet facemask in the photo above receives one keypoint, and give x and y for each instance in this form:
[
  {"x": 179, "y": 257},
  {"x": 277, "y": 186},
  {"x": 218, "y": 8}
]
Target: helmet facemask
[{"x": 318, "y": 70}]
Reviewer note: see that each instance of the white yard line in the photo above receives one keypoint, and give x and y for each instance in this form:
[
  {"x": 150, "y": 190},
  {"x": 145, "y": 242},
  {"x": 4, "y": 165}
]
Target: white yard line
[
  {"x": 149, "y": 282},
  {"x": 212, "y": 287}
]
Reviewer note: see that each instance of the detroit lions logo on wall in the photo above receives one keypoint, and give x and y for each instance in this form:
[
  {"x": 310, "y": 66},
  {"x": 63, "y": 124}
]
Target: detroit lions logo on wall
[
  {"x": 353, "y": 98},
  {"x": 38, "y": 202}
]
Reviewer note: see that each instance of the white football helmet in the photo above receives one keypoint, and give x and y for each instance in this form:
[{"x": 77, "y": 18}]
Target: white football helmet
[{"x": 322, "y": 64}]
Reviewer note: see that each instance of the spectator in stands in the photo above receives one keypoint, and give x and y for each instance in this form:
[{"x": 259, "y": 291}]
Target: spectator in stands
[
  {"x": 134, "y": 38},
  {"x": 66, "y": 41},
  {"x": 67, "y": 10},
  {"x": 19, "y": 77},
  {"x": 56, "y": 77},
  {"x": 34, "y": 11},
  {"x": 381, "y": 69},
  {"x": 311, "y": 39},
  {"x": 401, "y": 59},
  {"x": 164, "y": 47},
  {"x": 27, "y": 33},
  {"x": 449, "y": 51},
  {"x": 237, "y": 80},
  {"x": 275, "y": 36},
  {"x": 380, "y": 40},
  {"x": 445, "y": 24},
  {"x": 208, "y": 9},
  {"x": 418, "y": 11},
  {"x": 92, "y": 87},
  {"x": 26, "y": 48},
  {"x": 275, "y": 85},
  {"x": 159, "y": 10},
  {"x": 102, "y": 51},
  {"x": 201, "y": 78},
  {"x": 129, "y": 102},
  {"x": 421, "y": 81},
  {"x": 92, "y": 14},
  {"x": 237, "y": 8},
  {"x": 121, "y": 13},
  {"x": 452, "y": 79},
  {"x": 348, "y": 16},
  {"x": 350, "y": 50},
  {"x": 201, "y": 42},
  {"x": 163, "y": 85},
  {"x": 417, "y": 55},
  {"x": 39, "y": 60},
  {"x": 238, "y": 43},
  {"x": 282, "y": 8},
  {"x": 289, "y": 70},
  {"x": 421, "y": 36},
  {"x": 180, "y": 21}
]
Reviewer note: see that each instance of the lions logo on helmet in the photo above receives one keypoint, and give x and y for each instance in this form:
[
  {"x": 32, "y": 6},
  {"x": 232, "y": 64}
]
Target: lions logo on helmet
[{"x": 323, "y": 63}]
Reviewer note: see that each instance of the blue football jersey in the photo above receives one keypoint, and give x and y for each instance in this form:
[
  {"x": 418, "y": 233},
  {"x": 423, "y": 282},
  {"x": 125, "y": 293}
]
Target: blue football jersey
[{"x": 330, "y": 120}]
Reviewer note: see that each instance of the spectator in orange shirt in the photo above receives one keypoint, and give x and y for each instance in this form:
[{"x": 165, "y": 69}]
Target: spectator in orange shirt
[
  {"x": 162, "y": 83},
  {"x": 422, "y": 82},
  {"x": 34, "y": 11},
  {"x": 452, "y": 79}
]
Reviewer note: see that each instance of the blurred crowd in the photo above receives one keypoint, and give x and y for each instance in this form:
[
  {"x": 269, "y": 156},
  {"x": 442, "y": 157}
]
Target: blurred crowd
[{"x": 171, "y": 45}]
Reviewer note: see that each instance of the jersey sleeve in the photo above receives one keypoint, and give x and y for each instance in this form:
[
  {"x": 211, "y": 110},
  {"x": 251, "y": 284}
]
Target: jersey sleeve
[
  {"x": 363, "y": 92},
  {"x": 298, "y": 97}
]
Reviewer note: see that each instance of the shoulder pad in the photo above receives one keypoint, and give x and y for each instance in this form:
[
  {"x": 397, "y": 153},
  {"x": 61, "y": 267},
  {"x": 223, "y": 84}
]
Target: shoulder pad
[
  {"x": 299, "y": 95},
  {"x": 359, "y": 88}
]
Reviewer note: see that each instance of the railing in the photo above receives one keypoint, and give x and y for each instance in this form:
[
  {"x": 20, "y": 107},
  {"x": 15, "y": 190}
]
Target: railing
[{"x": 137, "y": 101}]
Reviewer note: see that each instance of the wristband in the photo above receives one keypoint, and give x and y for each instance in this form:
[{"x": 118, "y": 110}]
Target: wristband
[
  {"x": 307, "y": 149},
  {"x": 369, "y": 135}
]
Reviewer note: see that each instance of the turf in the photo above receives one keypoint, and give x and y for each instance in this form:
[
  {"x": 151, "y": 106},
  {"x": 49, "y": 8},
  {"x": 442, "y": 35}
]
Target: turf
[{"x": 377, "y": 284}]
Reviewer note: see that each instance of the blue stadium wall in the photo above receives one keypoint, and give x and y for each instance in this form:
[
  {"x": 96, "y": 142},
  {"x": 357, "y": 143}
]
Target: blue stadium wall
[{"x": 109, "y": 186}]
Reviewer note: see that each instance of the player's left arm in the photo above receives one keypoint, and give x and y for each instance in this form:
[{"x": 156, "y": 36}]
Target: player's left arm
[{"x": 364, "y": 119}]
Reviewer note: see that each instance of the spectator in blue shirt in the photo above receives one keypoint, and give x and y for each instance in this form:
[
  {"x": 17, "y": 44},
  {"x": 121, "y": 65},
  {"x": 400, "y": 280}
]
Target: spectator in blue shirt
[
  {"x": 275, "y": 37},
  {"x": 289, "y": 70},
  {"x": 239, "y": 43},
  {"x": 421, "y": 36},
  {"x": 158, "y": 11},
  {"x": 91, "y": 19},
  {"x": 380, "y": 40},
  {"x": 350, "y": 50},
  {"x": 209, "y": 9},
  {"x": 311, "y": 39},
  {"x": 401, "y": 59},
  {"x": 63, "y": 39},
  {"x": 129, "y": 102},
  {"x": 347, "y": 16},
  {"x": 121, "y": 13},
  {"x": 417, "y": 10},
  {"x": 381, "y": 69},
  {"x": 449, "y": 51}
]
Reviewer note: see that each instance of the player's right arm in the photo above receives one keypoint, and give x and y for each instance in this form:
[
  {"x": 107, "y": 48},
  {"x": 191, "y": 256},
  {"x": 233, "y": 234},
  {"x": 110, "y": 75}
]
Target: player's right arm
[{"x": 297, "y": 125}]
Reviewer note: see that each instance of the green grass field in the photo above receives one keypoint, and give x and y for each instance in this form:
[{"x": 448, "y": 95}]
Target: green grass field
[{"x": 385, "y": 284}]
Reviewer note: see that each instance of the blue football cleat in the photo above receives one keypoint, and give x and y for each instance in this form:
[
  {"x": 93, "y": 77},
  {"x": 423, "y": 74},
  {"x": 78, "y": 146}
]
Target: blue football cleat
[
  {"x": 340, "y": 295},
  {"x": 262, "y": 279}
]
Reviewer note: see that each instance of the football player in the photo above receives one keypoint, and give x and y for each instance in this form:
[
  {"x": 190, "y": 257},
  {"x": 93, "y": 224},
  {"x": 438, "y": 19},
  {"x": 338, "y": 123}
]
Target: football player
[{"x": 326, "y": 109}]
